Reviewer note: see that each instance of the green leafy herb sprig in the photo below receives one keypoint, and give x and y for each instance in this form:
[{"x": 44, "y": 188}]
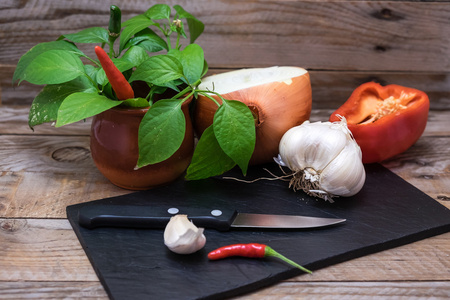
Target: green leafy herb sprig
[{"x": 150, "y": 51}]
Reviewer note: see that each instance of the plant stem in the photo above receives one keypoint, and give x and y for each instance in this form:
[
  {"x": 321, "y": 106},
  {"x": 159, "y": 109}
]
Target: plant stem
[
  {"x": 178, "y": 40},
  {"x": 92, "y": 60},
  {"x": 188, "y": 88},
  {"x": 195, "y": 84},
  {"x": 182, "y": 92},
  {"x": 207, "y": 94},
  {"x": 169, "y": 45},
  {"x": 111, "y": 49},
  {"x": 93, "y": 82},
  {"x": 189, "y": 95},
  {"x": 149, "y": 95}
]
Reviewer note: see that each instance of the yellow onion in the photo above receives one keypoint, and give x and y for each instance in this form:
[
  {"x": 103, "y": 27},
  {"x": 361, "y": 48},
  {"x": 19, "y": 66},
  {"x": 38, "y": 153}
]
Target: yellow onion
[{"x": 279, "y": 98}]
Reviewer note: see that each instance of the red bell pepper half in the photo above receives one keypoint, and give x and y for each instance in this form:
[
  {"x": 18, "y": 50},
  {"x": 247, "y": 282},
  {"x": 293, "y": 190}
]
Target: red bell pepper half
[{"x": 385, "y": 121}]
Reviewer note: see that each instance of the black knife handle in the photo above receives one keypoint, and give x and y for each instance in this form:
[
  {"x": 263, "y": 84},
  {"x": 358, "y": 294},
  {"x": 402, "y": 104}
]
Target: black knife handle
[{"x": 148, "y": 216}]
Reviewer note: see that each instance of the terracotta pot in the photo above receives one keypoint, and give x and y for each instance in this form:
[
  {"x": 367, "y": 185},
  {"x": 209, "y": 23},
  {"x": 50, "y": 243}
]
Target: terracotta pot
[{"x": 114, "y": 149}]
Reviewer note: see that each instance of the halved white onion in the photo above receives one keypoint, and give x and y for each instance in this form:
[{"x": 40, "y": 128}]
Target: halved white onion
[{"x": 279, "y": 97}]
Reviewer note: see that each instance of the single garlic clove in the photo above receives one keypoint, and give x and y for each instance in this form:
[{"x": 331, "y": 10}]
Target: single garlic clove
[{"x": 182, "y": 236}]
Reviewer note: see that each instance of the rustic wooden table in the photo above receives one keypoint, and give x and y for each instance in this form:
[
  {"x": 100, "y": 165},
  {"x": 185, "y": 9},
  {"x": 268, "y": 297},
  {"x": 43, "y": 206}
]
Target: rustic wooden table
[{"x": 44, "y": 171}]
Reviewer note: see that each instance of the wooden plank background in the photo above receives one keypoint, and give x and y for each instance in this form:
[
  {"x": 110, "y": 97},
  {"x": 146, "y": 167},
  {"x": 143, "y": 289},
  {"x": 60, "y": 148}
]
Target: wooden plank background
[{"x": 342, "y": 43}]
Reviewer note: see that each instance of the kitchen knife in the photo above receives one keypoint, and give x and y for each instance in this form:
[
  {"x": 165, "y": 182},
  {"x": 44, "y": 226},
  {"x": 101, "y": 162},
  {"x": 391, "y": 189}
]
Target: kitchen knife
[{"x": 147, "y": 216}]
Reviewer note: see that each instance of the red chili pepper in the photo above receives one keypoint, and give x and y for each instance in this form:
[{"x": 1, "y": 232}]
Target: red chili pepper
[
  {"x": 251, "y": 250},
  {"x": 385, "y": 121},
  {"x": 120, "y": 85}
]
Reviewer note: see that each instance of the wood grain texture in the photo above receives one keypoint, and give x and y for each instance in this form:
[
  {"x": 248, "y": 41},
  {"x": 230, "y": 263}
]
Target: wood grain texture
[
  {"x": 341, "y": 37},
  {"x": 330, "y": 88},
  {"x": 284, "y": 290},
  {"x": 42, "y": 250},
  {"x": 14, "y": 118},
  {"x": 41, "y": 175},
  {"x": 354, "y": 290},
  {"x": 46, "y": 253},
  {"x": 46, "y": 195},
  {"x": 52, "y": 290},
  {"x": 337, "y": 35}
]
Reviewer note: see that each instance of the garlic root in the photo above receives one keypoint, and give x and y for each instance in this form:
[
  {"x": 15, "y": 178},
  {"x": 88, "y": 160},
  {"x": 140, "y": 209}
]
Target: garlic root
[{"x": 312, "y": 188}]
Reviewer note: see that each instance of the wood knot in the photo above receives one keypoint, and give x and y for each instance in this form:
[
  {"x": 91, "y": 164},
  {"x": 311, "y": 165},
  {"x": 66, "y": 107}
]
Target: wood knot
[
  {"x": 12, "y": 225},
  {"x": 426, "y": 176},
  {"x": 421, "y": 163},
  {"x": 443, "y": 198},
  {"x": 380, "y": 49},
  {"x": 71, "y": 154},
  {"x": 387, "y": 15}
]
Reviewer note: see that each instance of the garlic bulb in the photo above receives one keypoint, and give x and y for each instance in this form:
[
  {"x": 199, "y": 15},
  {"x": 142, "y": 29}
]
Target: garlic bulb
[
  {"x": 325, "y": 159},
  {"x": 182, "y": 236}
]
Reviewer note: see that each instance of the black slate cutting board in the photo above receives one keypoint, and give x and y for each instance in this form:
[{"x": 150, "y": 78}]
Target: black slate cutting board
[{"x": 135, "y": 264}]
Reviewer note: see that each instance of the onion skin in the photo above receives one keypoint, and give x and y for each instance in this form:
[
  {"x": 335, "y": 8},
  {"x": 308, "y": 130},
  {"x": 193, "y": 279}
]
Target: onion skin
[{"x": 278, "y": 106}]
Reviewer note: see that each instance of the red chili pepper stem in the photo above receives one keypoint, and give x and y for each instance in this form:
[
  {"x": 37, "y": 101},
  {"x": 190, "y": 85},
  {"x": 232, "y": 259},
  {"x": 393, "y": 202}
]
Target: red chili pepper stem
[
  {"x": 270, "y": 252},
  {"x": 251, "y": 250}
]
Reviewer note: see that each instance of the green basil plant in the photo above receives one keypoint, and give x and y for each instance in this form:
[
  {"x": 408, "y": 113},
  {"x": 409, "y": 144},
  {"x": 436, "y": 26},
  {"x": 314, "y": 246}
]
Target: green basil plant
[{"x": 149, "y": 51}]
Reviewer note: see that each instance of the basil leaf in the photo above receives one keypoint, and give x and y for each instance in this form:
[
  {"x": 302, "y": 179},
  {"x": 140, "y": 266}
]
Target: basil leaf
[
  {"x": 135, "y": 55},
  {"x": 234, "y": 128},
  {"x": 108, "y": 92},
  {"x": 89, "y": 35},
  {"x": 53, "y": 67},
  {"x": 79, "y": 106},
  {"x": 158, "y": 12},
  {"x": 192, "y": 59},
  {"x": 159, "y": 70},
  {"x": 196, "y": 27},
  {"x": 161, "y": 132},
  {"x": 28, "y": 57},
  {"x": 205, "y": 69},
  {"x": 148, "y": 40},
  {"x": 133, "y": 26},
  {"x": 46, "y": 104},
  {"x": 209, "y": 158},
  {"x": 91, "y": 71}
]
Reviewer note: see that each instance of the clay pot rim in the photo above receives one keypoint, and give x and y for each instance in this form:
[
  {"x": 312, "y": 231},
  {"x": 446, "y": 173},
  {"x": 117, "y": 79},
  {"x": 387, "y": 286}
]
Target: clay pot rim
[{"x": 130, "y": 110}]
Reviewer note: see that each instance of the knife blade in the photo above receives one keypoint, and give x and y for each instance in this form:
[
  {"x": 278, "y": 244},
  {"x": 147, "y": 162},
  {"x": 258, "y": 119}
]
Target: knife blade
[{"x": 222, "y": 219}]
